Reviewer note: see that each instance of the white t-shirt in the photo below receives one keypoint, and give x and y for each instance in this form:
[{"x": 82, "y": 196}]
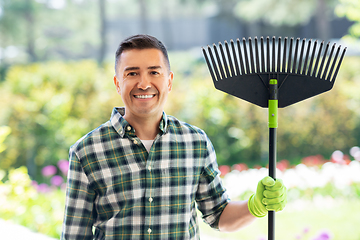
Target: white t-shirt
[{"x": 147, "y": 144}]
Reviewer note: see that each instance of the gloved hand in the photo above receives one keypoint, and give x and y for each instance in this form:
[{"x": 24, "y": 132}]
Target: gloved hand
[{"x": 270, "y": 196}]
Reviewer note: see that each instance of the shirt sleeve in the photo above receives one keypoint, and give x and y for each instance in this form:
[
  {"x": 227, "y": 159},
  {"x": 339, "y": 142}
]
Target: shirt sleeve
[
  {"x": 211, "y": 195},
  {"x": 79, "y": 210}
]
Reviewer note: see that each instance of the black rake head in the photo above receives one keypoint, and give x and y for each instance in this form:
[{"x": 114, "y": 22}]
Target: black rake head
[{"x": 303, "y": 68}]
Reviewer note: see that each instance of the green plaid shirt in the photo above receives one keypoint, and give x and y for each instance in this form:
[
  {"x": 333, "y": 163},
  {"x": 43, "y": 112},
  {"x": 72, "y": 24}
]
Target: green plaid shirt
[{"x": 116, "y": 187}]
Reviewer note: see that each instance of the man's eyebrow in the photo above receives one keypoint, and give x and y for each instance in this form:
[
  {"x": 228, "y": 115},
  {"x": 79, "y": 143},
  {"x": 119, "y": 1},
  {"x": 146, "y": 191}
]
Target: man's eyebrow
[
  {"x": 137, "y": 68},
  {"x": 131, "y": 68},
  {"x": 154, "y": 67}
]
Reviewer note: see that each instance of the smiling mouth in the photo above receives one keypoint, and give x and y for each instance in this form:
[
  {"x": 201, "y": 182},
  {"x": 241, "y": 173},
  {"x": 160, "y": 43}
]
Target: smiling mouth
[{"x": 144, "y": 96}]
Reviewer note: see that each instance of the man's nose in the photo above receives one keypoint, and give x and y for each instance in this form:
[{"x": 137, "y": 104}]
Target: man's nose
[{"x": 144, "y": 82}]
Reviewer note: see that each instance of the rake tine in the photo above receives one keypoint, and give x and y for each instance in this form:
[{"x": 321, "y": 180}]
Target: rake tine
[
  {"x": 224, "y": 60},
  {"x": 328, "y": 77},
  {"x": 208, "y": 64},
  {"x": 230, "y": 60},
  {"x": 257, "y": 55},
  {"x": 328, "y": 62},
  {"x": 240, "y": 57},
  {"x": 268, "y": 54},
  {"x": 295, "y": 57},
  {"x": 219, "y": 62},
  {"x": 338, "y": 65},
  {"x": 306, "y": 58},
  {"x": 273, "y": 54},
  {"x": 279, "y": 54},
  {"x": 283, "y": 69},
  {"x": 214, "y": 64},
  {"x": 317, "y": 59},
  {"x": 323, "y": 60},
  {"x": 262, "y": 55},
  {"x": 290, "y": 55},
  {"x": 246, "y": 56},
  {"x": 251, "y": 56},
  {"x": 311, "y": 60},
  {"x": 235, "y": 58},
  {"x": 301, "y": 56}
]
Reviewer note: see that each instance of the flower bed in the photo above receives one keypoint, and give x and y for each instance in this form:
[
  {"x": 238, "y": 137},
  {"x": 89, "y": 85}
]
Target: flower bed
[
  {"x": 40, "y": 206},
  {"x": 336, "y": 177}
]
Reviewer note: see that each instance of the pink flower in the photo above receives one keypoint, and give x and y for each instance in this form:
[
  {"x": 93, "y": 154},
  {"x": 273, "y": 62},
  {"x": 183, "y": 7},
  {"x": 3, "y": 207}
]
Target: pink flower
[
  {"x": 325, "y": 235},
  {"x": 283, "y": 165},
  {"x": 314, "y": 160},
  {"x": 224, "y": 169},
  {"x": 48, "y": 171},
  {"x": 240, "y": 167},
  {"x": 34, "y": 184},
  {"x": 57, "y": 180},
  {"x": 43, "y": 188},
  {"x": 63, "y": 166}
]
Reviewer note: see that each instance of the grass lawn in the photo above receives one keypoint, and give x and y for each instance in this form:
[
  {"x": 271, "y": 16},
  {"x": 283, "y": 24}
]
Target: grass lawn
[{"x": 304, "y": 220}]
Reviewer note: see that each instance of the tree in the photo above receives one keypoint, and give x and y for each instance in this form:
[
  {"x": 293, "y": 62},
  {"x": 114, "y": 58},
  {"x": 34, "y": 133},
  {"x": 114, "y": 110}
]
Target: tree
[
  {"x": 48, "y": 31},
  {"x": 103, "y": 31},
  {"x": 143, "y": 16},
  {"x": 18, "y": 23},
  {"x": 289, "y": 13},
  {"x": 351, "y": 10}
]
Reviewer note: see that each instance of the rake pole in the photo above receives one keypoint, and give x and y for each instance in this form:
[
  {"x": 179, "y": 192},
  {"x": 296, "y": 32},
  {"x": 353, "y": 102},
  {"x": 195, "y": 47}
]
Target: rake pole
[
  {"x": 291, "y": 72},
  {"x": 273, "y": 124}
]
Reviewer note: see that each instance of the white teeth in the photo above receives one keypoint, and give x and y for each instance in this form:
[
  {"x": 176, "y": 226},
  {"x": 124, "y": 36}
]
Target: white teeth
[{"x": 144, "y": 96}]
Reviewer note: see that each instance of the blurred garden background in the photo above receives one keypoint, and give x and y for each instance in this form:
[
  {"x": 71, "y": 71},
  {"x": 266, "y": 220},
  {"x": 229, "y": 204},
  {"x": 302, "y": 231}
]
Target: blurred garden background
[{"x": 56, "y": 71}]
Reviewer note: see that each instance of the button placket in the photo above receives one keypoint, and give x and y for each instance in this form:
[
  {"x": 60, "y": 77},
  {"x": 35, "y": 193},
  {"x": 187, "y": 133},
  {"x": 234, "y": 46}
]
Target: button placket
[{"x": 148, "y": 196}]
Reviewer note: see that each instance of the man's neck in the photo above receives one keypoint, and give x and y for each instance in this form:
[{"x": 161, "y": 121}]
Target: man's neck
[{"x": 145, "y": 128}]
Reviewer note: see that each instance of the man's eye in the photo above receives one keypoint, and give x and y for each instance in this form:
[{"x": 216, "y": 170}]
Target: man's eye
[
  {"x": 132, "y": 74},
  {"x": 154, "y": 73}
]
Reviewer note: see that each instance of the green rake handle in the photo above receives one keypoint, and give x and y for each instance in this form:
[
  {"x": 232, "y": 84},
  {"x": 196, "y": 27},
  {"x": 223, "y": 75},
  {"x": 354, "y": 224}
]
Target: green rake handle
[{"x": 273, "y": 124}]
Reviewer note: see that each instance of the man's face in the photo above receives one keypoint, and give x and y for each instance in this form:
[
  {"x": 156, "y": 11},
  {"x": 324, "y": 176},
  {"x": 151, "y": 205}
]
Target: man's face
[{"x": 143, "y": 81}]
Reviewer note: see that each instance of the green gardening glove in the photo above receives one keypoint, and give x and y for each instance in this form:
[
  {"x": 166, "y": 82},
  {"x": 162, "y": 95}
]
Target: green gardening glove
[{"x": 270, "y": 196}]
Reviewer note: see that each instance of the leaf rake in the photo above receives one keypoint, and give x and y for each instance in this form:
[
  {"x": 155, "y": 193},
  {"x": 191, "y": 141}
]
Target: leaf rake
[
  {"x": 301, "y": 68},
  {"x": 273, "y": 73}
]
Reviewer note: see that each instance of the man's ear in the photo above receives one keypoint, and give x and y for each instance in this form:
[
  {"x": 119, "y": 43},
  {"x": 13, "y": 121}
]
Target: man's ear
[
  {"x": 117, "y": 84},
  {"x": 171, "y": 78}
]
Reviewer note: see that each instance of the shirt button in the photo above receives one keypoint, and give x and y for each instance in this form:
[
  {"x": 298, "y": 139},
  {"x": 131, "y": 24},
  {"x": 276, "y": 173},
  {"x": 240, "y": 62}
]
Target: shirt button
[
  {"x": 149, "y": 168},
  {"x": 128, "y": 128},
  {"x": 150, "y": 199},
  {"x": 149, "y": 230},
  {"x": 135, "y": 142}
]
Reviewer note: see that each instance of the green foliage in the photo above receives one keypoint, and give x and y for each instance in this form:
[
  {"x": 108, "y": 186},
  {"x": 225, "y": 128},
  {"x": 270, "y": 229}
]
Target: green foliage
[
  {"x": 22, "y": 204},
  {"x": 51, "y": 105},
  {"x": 350, "y": 9},
  {"x": 48, "y": 107},
  {"x": 4, "y": 132}
]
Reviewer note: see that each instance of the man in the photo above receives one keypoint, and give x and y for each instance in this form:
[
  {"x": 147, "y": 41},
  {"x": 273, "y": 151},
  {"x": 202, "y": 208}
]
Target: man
[{"x": 142, "y": 174}]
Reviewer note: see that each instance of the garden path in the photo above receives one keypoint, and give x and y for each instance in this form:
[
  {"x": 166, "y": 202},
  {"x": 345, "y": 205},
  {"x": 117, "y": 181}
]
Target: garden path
[{"x": 10, "y": 231}]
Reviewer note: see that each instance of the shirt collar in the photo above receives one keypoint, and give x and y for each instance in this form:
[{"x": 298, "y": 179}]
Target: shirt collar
[{"x": 121, "y": 125}]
